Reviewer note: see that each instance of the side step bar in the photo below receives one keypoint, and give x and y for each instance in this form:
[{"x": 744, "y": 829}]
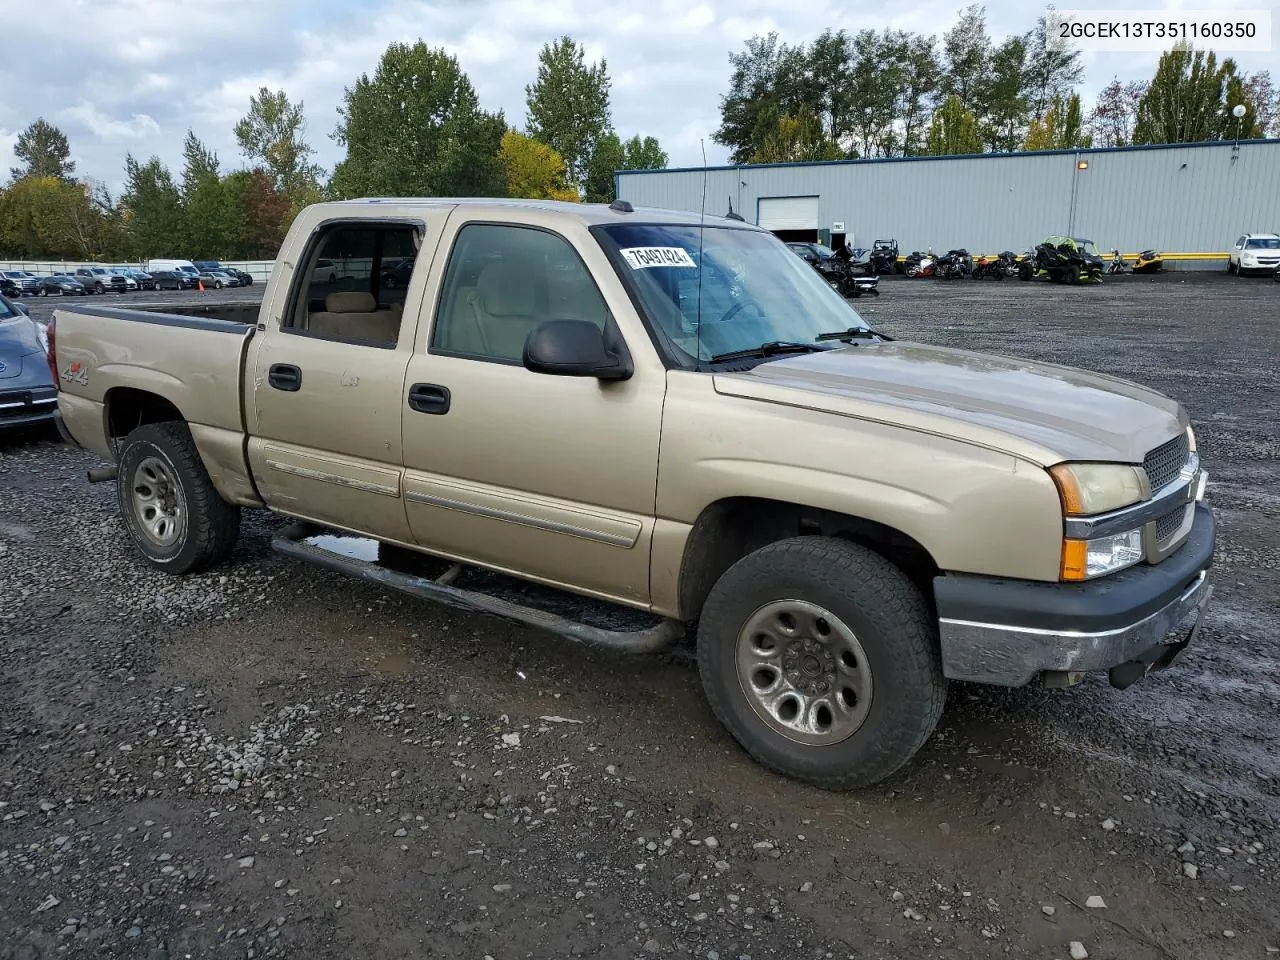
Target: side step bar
[{"x": 289, "y": 541}]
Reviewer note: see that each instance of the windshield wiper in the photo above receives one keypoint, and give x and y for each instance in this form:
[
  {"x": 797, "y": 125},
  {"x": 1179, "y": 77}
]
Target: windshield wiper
[
  {"x": 853, "y": 333},
  {"x": 767, "y": 350}
]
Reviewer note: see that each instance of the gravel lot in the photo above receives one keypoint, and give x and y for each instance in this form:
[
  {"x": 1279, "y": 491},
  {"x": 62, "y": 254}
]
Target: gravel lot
[{"x": 268, "y": 760}]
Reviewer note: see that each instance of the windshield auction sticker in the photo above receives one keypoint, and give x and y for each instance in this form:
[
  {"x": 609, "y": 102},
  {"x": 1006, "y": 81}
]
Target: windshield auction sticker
[{"x": 640, "y": 258}]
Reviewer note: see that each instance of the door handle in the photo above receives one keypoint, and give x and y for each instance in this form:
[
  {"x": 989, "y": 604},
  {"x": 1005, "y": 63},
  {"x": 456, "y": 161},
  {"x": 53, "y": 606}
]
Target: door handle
[
  {"x": 284, "y": 376},
  {"x": 429, "y": 398}
]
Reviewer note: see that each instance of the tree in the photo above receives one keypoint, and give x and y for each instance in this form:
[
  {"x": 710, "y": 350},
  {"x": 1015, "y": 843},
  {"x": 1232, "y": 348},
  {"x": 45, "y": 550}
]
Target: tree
[
  {"x": 272, "y": 134},
  {"x": 152, "y": 207},
  {"x": 1049, "y": 72},
  {"x": 569, "y": 104},
  {"x": 796, "y": 137},
  {"x": 1004, "y": 101},
  {"x": 608, "y": 157},
  {"x": 953, "y": 130},
  {"x": 646, "y": 154},
  {"x": 1112, "y": 119},
  {"x": 258, "y": 214},
  {"x": 533, "y": 170},
  {"x": 210, "y": 211},
  {"x": 1185, "y": 100},
  {"x": 966, "y": 49},
  {"x": 199, "y": 165},
  {"x": 1266, "y": 103},
  {"x": 1061, "y": 128},
  {"x": 765, "y": 82},
  {"x": 921, "y": 77},
  {"x": 871, "y": 95},
  {"x": 416, "y": 129},
  {"x": 44, "y": 150},
  {"x": 1236, "y": 93}
]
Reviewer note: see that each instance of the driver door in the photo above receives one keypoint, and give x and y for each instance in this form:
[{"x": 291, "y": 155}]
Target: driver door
[{"x": 551, "y": 477}]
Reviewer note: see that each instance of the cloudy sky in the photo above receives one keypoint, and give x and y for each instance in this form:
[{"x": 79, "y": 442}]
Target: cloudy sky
[{"x": 133, "y": 75}]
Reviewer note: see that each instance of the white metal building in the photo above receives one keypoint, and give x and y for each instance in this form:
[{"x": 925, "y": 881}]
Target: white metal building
[{"x": 1188, "y": 200}]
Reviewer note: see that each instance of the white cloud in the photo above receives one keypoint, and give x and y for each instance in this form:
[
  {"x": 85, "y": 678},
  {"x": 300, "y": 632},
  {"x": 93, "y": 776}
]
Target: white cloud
[
  {"x": 150, "y": 69},
  {"x": 139, "y": 126}
]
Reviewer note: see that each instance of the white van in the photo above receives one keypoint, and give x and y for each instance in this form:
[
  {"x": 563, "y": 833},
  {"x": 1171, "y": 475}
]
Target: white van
[{"x": 181, "y": 266}]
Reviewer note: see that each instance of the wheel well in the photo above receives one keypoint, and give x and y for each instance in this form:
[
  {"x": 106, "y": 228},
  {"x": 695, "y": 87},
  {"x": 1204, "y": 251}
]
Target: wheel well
[
  {"x": 727, "y": 530},
  {"x": 128, "y": 408}
]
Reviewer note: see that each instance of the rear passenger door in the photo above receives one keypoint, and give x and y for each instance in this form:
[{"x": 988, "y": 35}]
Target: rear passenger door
[
  {"x": 551, "y": 477},
  {"x": 328, "y": 376}
]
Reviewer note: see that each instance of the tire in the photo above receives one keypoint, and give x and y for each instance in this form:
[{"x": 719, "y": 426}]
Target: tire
[
  {"x": 161, "y": 459},
  {"x": 1071, "y": 274},
  {"x": 895, "y": 691},
  {"x": 99, "y": 289}
]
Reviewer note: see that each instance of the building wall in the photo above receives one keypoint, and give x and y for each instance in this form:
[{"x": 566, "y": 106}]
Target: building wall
[{"x": 1192, "y": 198}]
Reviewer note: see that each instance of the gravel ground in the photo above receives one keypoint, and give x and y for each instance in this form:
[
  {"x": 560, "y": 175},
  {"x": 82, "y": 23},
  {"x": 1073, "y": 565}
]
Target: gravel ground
[{"x": 267, "y": 760}]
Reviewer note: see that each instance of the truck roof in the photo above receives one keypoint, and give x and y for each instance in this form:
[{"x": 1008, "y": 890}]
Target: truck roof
[{"x": 589, "y": 213}]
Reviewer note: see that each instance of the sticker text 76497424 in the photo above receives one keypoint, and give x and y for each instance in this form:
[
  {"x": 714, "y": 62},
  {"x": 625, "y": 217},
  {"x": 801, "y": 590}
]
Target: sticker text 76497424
[{"x": 639, "y": 258}]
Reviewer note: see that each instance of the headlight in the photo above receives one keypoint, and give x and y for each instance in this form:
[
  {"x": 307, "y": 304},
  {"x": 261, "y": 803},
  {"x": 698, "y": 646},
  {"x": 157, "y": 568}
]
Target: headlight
[
  {"x": 1191, "y": 438},
  {"x": 1086, "y": 559},
  {"x": 1090, "y": 488}
]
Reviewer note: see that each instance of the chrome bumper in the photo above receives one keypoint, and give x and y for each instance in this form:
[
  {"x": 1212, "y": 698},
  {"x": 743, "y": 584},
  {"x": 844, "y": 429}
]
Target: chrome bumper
[{"x": 1013, "y": 656}]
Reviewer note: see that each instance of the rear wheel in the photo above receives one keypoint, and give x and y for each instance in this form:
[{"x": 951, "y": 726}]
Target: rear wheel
[
  {"x": 821, "y": 659},
  {"x": 173, "y": 513}
]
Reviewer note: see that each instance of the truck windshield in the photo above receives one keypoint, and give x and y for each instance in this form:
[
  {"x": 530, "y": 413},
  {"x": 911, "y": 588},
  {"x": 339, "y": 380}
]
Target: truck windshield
[{"x": 743, "y": 289}]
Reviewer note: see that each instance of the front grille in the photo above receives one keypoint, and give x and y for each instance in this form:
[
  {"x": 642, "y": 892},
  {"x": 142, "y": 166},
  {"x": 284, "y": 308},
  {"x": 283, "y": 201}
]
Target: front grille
[
  {"x": 1168, "y": 525},
  {"x": 1165, "y": 462}
]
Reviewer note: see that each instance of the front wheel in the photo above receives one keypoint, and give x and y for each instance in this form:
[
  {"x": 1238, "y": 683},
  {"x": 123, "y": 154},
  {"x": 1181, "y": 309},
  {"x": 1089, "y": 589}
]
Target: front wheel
[
  {"x": 821, "y": 659},
  {"x": 175, "y": 516}
]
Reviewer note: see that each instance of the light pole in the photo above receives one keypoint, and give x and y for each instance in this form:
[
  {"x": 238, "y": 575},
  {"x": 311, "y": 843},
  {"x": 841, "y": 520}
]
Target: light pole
[{"x": 1238, "y": 111}]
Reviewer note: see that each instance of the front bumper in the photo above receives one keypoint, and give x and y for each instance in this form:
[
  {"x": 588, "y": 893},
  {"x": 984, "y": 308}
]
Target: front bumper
[{"x": 1006, "y": 632}]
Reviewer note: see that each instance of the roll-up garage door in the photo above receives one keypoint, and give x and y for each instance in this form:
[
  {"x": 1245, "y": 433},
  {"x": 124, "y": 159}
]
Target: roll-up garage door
[{"x": 789, "y": 213}]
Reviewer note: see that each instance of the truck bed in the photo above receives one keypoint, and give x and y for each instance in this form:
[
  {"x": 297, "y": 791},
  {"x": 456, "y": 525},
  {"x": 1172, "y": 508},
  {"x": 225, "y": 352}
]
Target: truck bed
[{"x": 191, "y": 356}]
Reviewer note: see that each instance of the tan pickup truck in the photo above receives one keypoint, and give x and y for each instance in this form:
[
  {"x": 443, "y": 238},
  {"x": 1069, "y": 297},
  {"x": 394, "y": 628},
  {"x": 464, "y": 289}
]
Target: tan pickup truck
[{"x": 632, "y": 409}]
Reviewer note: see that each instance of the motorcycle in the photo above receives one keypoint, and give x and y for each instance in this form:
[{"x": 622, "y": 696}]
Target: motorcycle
[
  {"x": 954, "y": 264},
  {"x": 919, "y": 264},
  {"x": 1117, "y": 264},
  {"x": 989, "y": 268}
]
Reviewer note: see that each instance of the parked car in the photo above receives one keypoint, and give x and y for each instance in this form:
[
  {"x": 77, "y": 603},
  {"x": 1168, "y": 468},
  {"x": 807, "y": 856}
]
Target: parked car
[
  {"x": 61, "y": 284},
  {"x": 218, "y": 279},
  {"x": 173, "y": 280},
  {"x": 184, "y": 266},
  {"x": 130, "y": 284},
  {"x": 143, "y": 279},
  {"x": 27, "y": 392},
  {"x": 101, "y": 279},
  {"x": 9, "y": 287},
  {"x": 213, "y": 266},
  {"x": 325, "y": 271},
  {"x": 812, "y": 253},
  {"x": 974, "y": 517},
  {"x": 23, "y": 284},
  {"x": 397, "y": 274},
  {"x": 1254, "y": 252},
  {"x": 245, "y": 278}
]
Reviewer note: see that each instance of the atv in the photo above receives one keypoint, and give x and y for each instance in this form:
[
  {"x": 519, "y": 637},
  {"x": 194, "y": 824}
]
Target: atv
[
  {"x": 884, "y": 257},
  {"x": 1064, "y": 260}
]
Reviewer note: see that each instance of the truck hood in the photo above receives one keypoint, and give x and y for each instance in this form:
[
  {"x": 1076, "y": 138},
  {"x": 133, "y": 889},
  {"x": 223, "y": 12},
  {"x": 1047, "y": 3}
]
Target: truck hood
[{"x": 1040, "y": 412}]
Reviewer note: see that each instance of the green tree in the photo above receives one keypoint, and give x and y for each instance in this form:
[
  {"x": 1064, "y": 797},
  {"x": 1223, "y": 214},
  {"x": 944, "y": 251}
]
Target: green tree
[
  {"x": 568, "y": 104},
  {"x": 1186, "y": 99},
  {"x": 152, "y": 207},
  {"x": 209, "y": 206},
  {"x": 1050, "y": 71},
  {"x": 608, "y": 156},
  {"x": 643, "y": 154},
  {"x": 871, "y": 98},
  {"x": 533, "y": 170},
  {"x": 953, "y": 130},
  {"x": 416, "y": 128},
  {"x": 1266, "y": 103},
  {"x": 966, "y": 50},
  {"x": 1004, "y": 101},
  {"x": 272, "y": 135},
  {"x": 763, "y": 85},
  {"x": 797, "y": 137},
  {"x": 921, "y": 77},
  {"x": 44, "y": 152},
  {"x": 1061, "y": 128}
]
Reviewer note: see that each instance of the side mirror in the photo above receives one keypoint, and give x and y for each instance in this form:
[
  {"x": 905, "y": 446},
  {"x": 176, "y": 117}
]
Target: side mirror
[{"x": 573, "y": 348}]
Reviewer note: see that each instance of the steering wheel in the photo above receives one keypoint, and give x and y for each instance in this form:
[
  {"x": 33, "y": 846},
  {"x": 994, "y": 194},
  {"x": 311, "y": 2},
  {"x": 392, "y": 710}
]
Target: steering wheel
[{"x": 733, "y": 311}]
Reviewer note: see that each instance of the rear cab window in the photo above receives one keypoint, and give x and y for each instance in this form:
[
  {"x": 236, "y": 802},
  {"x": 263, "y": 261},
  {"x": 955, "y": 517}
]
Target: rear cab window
[{"x": 352, "y": 287}]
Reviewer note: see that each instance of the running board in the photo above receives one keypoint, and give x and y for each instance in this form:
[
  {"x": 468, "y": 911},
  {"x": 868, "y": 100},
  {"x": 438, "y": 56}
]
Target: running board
[{"x": 291, "y": 541}]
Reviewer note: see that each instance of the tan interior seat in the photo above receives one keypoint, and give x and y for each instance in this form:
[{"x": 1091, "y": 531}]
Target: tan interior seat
[
  {"x": 354, "y": 315},
  {"x": 498, "y": 317}
]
